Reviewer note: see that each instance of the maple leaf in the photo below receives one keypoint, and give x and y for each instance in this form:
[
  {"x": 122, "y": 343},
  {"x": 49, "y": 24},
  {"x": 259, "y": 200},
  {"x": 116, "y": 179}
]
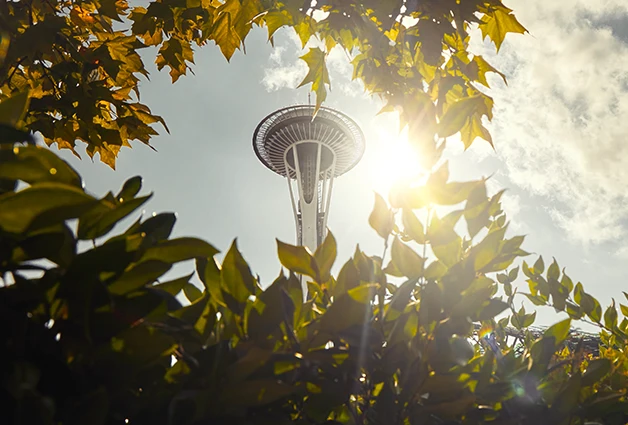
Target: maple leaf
[
  {"x": 497, "y": 23},
  {"x": 458, "y": 113},
  {"x": 317, "y": 74},
  {"x": 225, "y": 36}
]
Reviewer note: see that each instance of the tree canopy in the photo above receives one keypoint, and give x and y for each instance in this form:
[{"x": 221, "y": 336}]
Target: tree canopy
[
  {"x": 81, "y": 60},
  {"x": 95, "y": 330}
]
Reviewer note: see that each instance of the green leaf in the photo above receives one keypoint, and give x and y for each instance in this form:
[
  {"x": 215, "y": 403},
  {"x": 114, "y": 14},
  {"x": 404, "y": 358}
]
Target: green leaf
[
  {"x": 101, "y": 219},
  {"x": 173, "y": 287},
  {"x": 34, "y": 164},
  {"x": 130, "y": 188},
  {"x": 59, "y": 201},
  {"x": 348, "y": 278},
  {"x": 381, "y": 218},
  {"x": 459, "y": 112},
  {"x": 225, "y": 36},
  {"x": 156, "y": 228},
  {"x": 472, "y": 129},
  {"x": 536, "y": 299},
  {"x": 481, "y": 68},
  {"x": 476, "y": 210},
  {"x": 272, "y": 307},
  {"x": 192, "y": 293},
  {"x": 492, "y": 309},
  {"x": 559, "y": 331},
  {"x": 209, "y": 272},
  {"x": 400, "y": 299},
  {"x": 11, "y": 135},
  {"x": 297, "y": 259},
  {"x": 610, "y": 316},
  {"x": 513, "y": 274},
  {"x": 317, "y": 74},
  {"x": 566, "y": 401},
  {"x": 325, "y": 256},
  {"x": 461, "y": 350},
  {"x": 137, "y": 276},
  {"x": 13, "y": 109},
  {"x": 596, "y": 370},
  {"x": 237, "y": 279},
  {"x": 590, "y": 306},
  {"x": 180, "y": 249},
  {"x": 528, "y": 319},
  {"x": 413, "y": 226},
  {"x": 54, "y": 243},
  {"x": 488, "y": 249},
  {"x": 408, "y": 262},
  {"x": 539, "y": 266},
  {"x": 498, "y": 22},
  {"x": 275, "y": 19},
  {"x": 553, "y": 272},
  {"x": 350, "y": 309}
]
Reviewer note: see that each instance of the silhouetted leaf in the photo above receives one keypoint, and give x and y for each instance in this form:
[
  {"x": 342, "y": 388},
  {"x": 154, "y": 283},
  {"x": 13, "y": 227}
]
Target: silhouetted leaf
[
  {"x": 19, "y": 210},
  {"x": 325, "y": 256},
  {"x": 408, "y": 262},
  {"x": 297, "y": 259},
  {"x": 595, "y": 371},
  {"x": 13, "y": 109},
  {"x": 381, "y": 218},
  {"x": 180, "y": 249},
  {"x": 237, "y": 279}
]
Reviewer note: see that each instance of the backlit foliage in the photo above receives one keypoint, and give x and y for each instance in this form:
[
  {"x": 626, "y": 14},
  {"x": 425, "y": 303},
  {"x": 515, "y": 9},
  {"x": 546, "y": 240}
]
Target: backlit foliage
[
  {"x": 93, "y": 332},
  {"x": 81, "y": 60}
]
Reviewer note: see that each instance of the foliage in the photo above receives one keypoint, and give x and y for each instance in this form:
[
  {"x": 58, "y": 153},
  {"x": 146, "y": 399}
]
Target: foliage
[
  {"x": 90, "y": 333},
  {"x": 81, "y": 60},
  {"x": 95, "y": 333}
]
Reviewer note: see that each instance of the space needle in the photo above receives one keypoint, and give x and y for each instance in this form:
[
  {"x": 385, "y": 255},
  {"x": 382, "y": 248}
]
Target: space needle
[{"x": 310, "y": 151}]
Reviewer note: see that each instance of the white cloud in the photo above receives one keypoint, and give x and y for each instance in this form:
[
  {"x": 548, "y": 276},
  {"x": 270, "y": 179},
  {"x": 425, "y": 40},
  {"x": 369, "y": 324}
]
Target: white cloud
[
  {"x": 279, "y": 73},
  {"x": 560, "y": 126}
]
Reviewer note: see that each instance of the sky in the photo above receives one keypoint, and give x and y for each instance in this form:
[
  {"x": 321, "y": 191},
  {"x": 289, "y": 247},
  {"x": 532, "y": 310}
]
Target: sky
[{"x": 559, "y": 131}]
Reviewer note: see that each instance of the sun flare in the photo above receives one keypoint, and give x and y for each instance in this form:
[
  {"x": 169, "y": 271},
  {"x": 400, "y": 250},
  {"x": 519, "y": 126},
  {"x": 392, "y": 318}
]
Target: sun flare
[{"x": 394, "y": 160}]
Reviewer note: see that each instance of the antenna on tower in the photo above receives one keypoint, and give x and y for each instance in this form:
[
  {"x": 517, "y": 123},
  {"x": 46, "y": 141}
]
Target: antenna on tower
[{"x": 310, "y": 151}]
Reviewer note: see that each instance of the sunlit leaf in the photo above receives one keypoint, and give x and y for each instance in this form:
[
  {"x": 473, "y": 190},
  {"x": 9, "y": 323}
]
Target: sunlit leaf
[
  {"x": 297, "y": 259},
  {"x": 317, "y": 74},
  {"x": 559, "y": 331},
  {"x": 408, "y": 262},
  {"x": 325, "y": 256},
  {"x": 497, "y": 22},
  {"x": 381, "y": 218}
]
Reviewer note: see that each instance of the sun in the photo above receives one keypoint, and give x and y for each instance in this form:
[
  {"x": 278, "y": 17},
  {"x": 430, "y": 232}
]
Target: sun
[{"x": 393, "y": 159}]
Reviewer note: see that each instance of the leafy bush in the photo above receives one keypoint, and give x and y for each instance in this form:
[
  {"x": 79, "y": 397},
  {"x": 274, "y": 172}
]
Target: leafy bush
[{"x": 92, "y": 335}]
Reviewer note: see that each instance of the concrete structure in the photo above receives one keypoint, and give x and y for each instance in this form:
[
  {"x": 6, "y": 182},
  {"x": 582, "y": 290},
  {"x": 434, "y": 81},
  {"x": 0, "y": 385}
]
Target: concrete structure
[{"x": 310, "y": 153}]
